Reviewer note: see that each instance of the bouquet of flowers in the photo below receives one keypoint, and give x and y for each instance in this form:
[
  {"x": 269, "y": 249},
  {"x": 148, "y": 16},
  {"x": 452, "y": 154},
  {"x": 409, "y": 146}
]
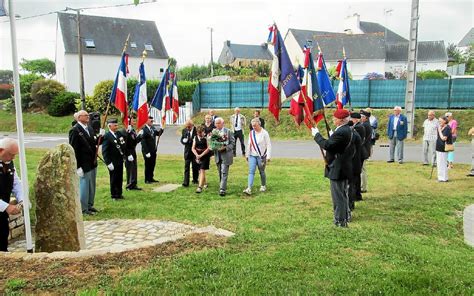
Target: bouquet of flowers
[{"x": 218, "y": 139}]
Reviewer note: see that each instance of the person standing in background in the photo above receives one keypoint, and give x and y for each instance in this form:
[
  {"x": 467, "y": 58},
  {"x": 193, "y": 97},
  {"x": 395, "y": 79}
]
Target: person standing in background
[
  {"x": 397, "y": 130},
  {"x": 430, "y": 134},
  {"x": 238, "y": 123},
  {"x": 453, "y": 124}
]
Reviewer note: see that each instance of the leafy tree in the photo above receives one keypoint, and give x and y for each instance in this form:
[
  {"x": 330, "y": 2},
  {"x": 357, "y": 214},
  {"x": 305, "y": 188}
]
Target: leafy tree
[
  {"x": 43, "y": 67},
  {"x": 6, "y": 76},
  {"x": 455, "y": 54},
  {"x": 44, "y": 91}
]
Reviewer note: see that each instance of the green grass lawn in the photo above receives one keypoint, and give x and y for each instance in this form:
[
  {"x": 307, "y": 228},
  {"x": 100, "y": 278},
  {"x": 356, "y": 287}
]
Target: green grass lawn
[{"x": 406, "y": 237}]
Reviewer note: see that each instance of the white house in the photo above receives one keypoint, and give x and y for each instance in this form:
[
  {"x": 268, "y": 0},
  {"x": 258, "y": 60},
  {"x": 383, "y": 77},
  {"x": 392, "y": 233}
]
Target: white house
[
  {"x": 369, "y": 47},
  {"x": 102, "y": 41},
  {"x": 466, "y": 41}
]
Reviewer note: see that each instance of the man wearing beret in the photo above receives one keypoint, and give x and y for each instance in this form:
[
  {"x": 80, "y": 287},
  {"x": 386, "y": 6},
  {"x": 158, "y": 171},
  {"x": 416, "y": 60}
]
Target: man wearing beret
[
  {"x": 149, "y": 149},
  {"x": 113, "y": 150},
  {"x": 339, "y": 153},
  {"x": 397, "y": 130},
  {"x": 367, "y": 146}
]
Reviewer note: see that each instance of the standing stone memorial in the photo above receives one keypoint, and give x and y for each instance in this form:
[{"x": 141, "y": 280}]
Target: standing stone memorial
[{"x": 59, "y": 225}]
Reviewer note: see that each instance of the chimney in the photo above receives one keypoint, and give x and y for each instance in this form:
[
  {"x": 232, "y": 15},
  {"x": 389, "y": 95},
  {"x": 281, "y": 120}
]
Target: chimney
[
  {"x": 264, "y": 45},
  {"x": 352, "y": 24},
  {"x": 227, "y": 43}
]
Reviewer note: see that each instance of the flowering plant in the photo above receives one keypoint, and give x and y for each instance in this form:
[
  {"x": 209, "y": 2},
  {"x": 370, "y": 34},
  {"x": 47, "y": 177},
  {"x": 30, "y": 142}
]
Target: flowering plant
[{"x": 218, "y": 139}]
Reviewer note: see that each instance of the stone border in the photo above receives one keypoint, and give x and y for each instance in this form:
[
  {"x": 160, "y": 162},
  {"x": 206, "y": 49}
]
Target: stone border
[{"x": 114, "y": 248}]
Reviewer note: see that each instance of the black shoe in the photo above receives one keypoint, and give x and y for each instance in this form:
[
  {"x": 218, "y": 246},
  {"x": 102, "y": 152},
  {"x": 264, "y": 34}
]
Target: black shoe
[
  {"x": 88, "y": 213},
  {"x": 426, "y": 164},
  {"x": 155, "y": 181},
  {"x": 136, "y": 188},
  {"x": 185, "y": 185},
  {"x": 363, "y": 191},
  {"x": 341, "y": 224},
  {"x": 389, "y": 161},
  {"x": 470, "y": 175},
  {"x": 195, "y": 182},
  {"x": 148, "y": 182},
  {"x": 93, "y": 210},
  {"x": 222, "y": 192}
]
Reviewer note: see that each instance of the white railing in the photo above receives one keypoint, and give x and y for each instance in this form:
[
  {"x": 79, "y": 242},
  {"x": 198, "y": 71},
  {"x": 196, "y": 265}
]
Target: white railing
[{"x": 184, "y": 114}]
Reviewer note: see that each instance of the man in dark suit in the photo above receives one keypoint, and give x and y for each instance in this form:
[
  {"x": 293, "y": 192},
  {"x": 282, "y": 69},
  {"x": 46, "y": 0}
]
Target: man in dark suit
[
  {"x": 367, "y": 143},
  {"x": 359, "y": 136},
  {"x": 113, "y": 150},
  {"x": 187, "y": 137},
  {"x": 84, "y": 142},
  {"x": 131, "y": 139},
  {"x": 397, "y": 130},
  {"x": 339, "y": 153},
  {"x": 149, "y": 149},
  {"x": 256, "y": 114},
  {"x": 224, "y": 156}
]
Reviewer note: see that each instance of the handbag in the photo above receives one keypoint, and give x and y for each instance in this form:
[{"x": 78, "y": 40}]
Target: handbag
[{"x": 448, "y": 147}]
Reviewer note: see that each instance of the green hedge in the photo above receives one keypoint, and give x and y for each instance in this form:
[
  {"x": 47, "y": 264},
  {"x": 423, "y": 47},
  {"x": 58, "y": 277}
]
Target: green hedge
[{"x": 44, "y": 91}]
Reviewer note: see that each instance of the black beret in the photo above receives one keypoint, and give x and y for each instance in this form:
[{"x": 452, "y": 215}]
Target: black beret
[
  {"x": 355, "y": 115},
  {"x": 365, "y": 113},
  {"x": 112, "y": 120}
]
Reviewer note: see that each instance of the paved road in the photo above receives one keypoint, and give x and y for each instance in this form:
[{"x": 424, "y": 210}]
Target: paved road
[{"x": 169, "y": 144}]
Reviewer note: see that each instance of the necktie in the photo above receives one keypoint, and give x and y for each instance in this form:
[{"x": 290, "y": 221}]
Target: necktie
[{"x": 236, "y": 120}]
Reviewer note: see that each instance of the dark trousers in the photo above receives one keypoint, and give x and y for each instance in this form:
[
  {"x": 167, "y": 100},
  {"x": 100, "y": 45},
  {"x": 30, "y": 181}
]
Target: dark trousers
[
  {"x": 4, "y": 232},
  {"x": 354, "y": 191},
  {"x": 131, "y": 167},
  {"x": 239, "y": 135},
  {"x": 150, "y": 167},
  {"x": 195, "y": 167},
  {"x": 339, "y": 193},
  {"x": 116, "y": 180}
]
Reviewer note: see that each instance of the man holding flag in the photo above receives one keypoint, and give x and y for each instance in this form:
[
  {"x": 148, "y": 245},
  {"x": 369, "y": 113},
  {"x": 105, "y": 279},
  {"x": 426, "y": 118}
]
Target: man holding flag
[{"x": 282, "y": 75}]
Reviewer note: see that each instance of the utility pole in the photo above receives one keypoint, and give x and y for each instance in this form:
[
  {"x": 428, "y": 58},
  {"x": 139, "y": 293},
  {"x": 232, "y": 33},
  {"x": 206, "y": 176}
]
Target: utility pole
[
  {"x": 411, "y": 68},
  {"x": 212, "y": 59},
  {"x": 81, "y": 63}
]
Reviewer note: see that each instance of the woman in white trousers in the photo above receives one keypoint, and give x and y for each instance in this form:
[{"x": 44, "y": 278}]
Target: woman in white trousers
[{"x": 444, "y": 137}]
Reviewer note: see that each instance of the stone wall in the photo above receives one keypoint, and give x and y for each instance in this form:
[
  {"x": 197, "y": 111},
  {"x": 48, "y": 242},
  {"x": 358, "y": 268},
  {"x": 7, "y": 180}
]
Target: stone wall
[{"x": 17, "y": 226}]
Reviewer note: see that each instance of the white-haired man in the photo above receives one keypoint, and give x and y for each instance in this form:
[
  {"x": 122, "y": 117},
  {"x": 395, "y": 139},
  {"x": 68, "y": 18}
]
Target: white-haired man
[
  {"x": 224, "y": 156},
  {"x": 430, "y": 134},
  {"x": 84, "y": 141},
  {"x": 397, "y": 130},
  {"x": 9, "y": 183},
  {"x": 238, "y": 122}
]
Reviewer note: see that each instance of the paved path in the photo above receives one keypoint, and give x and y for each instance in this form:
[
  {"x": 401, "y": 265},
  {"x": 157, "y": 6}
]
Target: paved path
[
  {"x": 169, "y": 144},
  {"x": 122, "y": 235}
]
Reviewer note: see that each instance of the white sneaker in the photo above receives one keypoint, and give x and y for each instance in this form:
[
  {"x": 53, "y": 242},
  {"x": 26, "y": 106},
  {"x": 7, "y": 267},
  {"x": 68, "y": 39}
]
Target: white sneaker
[
  {"x": 248, "y": 191},
  {"x": 263, "y": 188}
]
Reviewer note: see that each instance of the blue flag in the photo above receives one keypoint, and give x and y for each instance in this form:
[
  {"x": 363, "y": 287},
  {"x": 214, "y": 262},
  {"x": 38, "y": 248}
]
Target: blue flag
[
  {"x": 325, "y": 87},
  {"x": 161, "y": 93}
]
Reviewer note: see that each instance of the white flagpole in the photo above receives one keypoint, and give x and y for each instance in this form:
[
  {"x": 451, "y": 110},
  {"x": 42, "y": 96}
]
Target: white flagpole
[{"x": 19, "y": 127}]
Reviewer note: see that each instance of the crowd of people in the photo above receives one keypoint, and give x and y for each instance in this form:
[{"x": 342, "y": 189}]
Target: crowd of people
[{"x": 346, "y": 152}]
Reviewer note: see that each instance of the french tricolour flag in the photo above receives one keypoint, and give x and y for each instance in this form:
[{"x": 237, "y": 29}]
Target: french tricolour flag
[
  {"x": 118, "y": 97},
  {"x": 140, "y": 99},
  {"x": 174, "y": 97},
  {"x": 282, "y": 75},
  {"x": 343, "y": 95},
  {"x": 161, "y": 98}
]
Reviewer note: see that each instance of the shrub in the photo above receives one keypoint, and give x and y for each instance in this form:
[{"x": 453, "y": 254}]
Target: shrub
[
  {"x": 63, "y": 104},
  {"x": 430, "y": 74},
  {"x": 44, "y": 91},
  {"x": 100, "y": 98},
  {"x": 186, "y": 91},
  {"x": 26, "y": 82}
]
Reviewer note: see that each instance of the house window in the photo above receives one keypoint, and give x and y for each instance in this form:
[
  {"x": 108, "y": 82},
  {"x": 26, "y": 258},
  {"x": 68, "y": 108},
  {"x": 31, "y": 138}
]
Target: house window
[
  {"x": 162, "y": 70},
  {"x": 89, "y": 43},
  {"x": 148, "y": 47},
  {"x": 133, "y": 44}
]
